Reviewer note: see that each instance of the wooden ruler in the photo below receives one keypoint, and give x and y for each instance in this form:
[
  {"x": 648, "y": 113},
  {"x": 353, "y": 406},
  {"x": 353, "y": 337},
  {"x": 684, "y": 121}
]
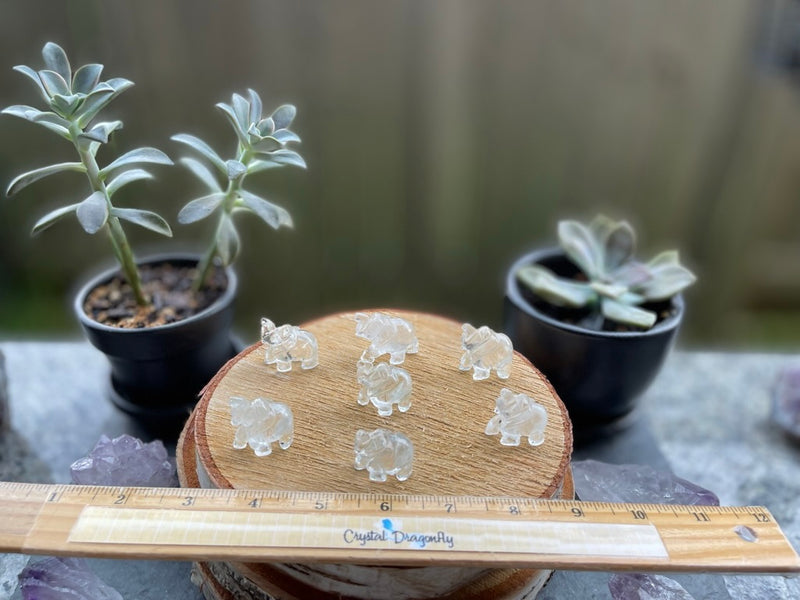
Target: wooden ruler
[{"x": 267, "y": 526}]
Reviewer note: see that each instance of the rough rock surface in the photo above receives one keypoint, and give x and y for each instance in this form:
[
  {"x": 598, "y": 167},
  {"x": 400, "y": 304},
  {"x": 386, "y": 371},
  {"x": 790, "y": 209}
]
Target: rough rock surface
[
  {"x": 604, "y": 482},
  {"x": 58, "y": 578},
  {"x": 126, "y": 460}
]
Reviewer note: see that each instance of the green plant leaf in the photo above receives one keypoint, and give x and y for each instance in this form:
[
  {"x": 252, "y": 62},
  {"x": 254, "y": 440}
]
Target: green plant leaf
[
  {"x": 669, "y": 277},
  {"x": 227, "y": 241},
  {"x": 284, "y": 136},
  {"x": 138, "y": 156},
  {"x": 33, "y": 76},
  {"x": 233, "y": 119},
  {"x": 125, "y": 178},
  {"x": 56, "y": 60},
  {"x": 619, "y": 244},
  {"x": 54, "y": 83},
  {"x": 266, "y": 145},
  {"x": 559, "y": 292},
  {"x": 200, "y": 208},
  {"x": 93, "y": 212},
  {"x": 200, "y": 146},
  {"x": 143, "y": 218},
  {"x": 261, "y": 165},
  {"x": 48, "y": 120},
  {"x": 235, "y": 169},
  {"x": 256, "y": 106},
  {"x": 86, "y": 77},
  {"x": 580, "y": 245},
  {"x": 66, "y": 105},
  {"x": 272, "y": 214},
  {"x": 53, "y": 217},
  {"x": 25, "y": 179},
  {"x": 101, "y": 131},
  {"x": 23, "y": 111},
  {"x": 283, "y": 116},
  {"x": 102, "y": 94},
  {"x": 241, "y": 108},
  {"x": 629, "y": 315},
  {"x": 287, "y": 157},
  {"x": 202, "y": 173}
]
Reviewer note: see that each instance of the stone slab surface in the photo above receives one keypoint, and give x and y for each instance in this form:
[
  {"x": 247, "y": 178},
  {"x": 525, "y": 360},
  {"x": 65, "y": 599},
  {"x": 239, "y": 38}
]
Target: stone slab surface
[{"x": 706, "y": 418}]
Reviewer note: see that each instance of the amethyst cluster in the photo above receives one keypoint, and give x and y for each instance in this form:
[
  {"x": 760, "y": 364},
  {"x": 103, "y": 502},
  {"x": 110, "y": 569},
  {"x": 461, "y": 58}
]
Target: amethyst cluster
[{"x": 126, "y": 461}]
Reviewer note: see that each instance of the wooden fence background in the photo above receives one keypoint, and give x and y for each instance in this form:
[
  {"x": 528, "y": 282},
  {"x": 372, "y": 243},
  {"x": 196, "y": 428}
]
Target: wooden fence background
[{"x": 443, "y": 138}]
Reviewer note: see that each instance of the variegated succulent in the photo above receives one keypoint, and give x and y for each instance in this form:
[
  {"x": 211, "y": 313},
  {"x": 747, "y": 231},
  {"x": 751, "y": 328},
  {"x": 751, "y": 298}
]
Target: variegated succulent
[
  {"x": 262, "y": 144},
  {"x": 617, "y": 284},
  {"x": 72, "y": 104}
]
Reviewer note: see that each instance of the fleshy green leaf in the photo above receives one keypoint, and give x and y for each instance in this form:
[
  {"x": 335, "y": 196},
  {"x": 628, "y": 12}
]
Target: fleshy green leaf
[
  {"x": 33, "y": 76},
  {"x": 235, "y": 169},
  {"x": 581, "y": 247},
  {"x": 143, "y": 218},
  {"x": 93, "y": 213},
  {"x": 560, "y": 292},
  {"x": 138, "y": 156},
  {"x": 272, "y": 214},
  {"x": 53, "y": 217},
  {"x": 49, "y": 117},
  {"x": 202, "y": 173},
  {"x": 100, "y": 97},
  {"x": 287, "y": 157},
  {"x": 261, "y": 165},
  {"x": 619, "y": 245},
  {"x": 56, "y": 60},
  {"x": 66, "y": 105},
  {"x": 86, "y": 77},
  {"x": 233, "y": 119},
  {"x": 25, "y": 179},
  {"x": 54, "y": 83},
  {"x": 101, "y": 131},
  {"x": 283, "y": 116},
  {"x": 200, "y": 208},
  {"x": 227, "y": 242},
  {"x": 256, "y": 106},
  {"x": 200, "y": 146},
  {"x": 23, "y": 111},
  {"x": 242, "y": 109},
  {"x": 284, "y": 136},
  {"x": 629, "y": 315},
  {"x": 669, "y": 277},
  {"x": 125, "y": 178},
  {"x": 267, "y": 145}
]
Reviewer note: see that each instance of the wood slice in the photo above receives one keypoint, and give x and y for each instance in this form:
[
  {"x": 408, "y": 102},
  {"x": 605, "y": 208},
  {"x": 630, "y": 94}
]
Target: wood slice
[
  {"x": 261, "y": 581},
  {"x": 446, "y": 421}
]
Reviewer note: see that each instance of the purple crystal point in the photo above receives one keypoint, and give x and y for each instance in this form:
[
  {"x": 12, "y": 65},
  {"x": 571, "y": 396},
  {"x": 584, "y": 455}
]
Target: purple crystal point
[
  {"x": 637, "y": 586},
  {"x": 786, "y": 401},
  {"x": 60, "y": 578},
  {"x": 125, "y": 461},
  {"x": 604, "y": 482}
]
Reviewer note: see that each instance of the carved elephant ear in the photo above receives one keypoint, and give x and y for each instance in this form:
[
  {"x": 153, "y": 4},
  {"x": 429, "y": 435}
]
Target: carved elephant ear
[
  {"x": 362, "y": 437},
  {"x": 267, "y": 327}
]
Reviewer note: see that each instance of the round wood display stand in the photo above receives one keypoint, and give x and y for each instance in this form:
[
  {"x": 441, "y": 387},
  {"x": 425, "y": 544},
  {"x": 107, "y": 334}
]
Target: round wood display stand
[{"x": 452, "y": 456}]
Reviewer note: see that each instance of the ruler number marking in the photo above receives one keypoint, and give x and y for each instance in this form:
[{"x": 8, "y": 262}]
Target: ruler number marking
[
  {"x": 639, "y": 514},
  {"x": 577, "y": 512},
  {"x": 761, "y": 517},
  {"x": 121, "y": 499},
  {"x": 701, "y": 517}
]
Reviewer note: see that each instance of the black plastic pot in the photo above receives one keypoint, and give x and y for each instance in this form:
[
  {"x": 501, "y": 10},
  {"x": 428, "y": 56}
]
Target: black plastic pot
[
  {"x": 598, "y": 374},
  {"x": 157, "y": 372}
]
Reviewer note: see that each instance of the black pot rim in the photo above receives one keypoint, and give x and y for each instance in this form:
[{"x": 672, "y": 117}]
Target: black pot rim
[
  {"x": 106, "y": 274},
  {"x": 515, "y": 296}
]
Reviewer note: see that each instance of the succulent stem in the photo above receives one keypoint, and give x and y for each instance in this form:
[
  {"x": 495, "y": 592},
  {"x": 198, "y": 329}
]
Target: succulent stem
[{"x": 119, "y": 241}]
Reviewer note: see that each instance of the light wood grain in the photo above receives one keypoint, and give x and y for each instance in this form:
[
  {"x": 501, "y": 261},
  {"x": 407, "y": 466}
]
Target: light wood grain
[{"x": 445, "y": 423}]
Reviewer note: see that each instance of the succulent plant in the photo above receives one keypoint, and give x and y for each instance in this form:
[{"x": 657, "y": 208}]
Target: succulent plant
[
  {"x": 617, "y": 284},
  {"x": 73, "y": 102},
  {"x": 262, "y": 144}
]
